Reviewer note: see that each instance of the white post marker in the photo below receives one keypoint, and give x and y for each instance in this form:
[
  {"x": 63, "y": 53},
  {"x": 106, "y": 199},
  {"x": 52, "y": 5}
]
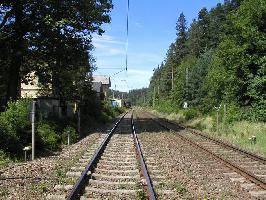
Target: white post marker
[
  {"x": 33, "y": 129},
  {"x": 25, "y": 149}
]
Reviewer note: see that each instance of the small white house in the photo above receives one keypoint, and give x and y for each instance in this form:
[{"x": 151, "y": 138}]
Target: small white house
[{"x": 117, "y": 102}]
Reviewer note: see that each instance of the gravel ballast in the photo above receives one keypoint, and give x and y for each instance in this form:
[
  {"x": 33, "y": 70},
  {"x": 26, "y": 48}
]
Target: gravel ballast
[
  {"x": 41, "y": 175},
  {"x": 193, "y": 173}
]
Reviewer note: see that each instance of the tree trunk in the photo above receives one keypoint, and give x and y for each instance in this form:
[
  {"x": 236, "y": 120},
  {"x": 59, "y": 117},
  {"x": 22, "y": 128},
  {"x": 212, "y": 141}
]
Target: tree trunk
[{"x": 13, "y": 84}]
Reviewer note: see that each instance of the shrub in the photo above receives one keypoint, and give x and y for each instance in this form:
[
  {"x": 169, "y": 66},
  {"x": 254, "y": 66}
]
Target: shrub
[
  {"x": 4, "y": 158},
  {"x": 118, "y": 110},
  {"x": 9, "y": 141},
  {"x": 190, "y": 113},
  {"x": 104, "y": 117},
  {"x": 72, "y": 133},
  {"x": 48, "y": 136},
  {"x": 14, "y": 125},
  {"x": 17, "y": 114}
]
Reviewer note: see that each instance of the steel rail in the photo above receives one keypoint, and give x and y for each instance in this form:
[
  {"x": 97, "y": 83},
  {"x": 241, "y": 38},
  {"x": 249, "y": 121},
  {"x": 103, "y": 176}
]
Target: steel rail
[
  {"x": 143, "y": 165},
  {"x": 230, "y": 146},
  {"x": 250, "y": 176},
  {"x": 79, "y": 186}
]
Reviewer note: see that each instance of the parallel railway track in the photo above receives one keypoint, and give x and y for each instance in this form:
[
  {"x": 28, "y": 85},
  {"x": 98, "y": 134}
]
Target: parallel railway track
[
  {"x": 246, "y": 165},
  {"x": 117, "y": 169}
]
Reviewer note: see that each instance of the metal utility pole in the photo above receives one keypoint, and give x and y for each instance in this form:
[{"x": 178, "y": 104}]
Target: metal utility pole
[{"x": 33, "y": 130}]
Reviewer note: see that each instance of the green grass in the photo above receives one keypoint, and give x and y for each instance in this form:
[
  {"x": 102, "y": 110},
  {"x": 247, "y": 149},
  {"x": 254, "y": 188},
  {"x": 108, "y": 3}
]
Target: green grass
[
  {"x": 4, "y": 159},
  {"x": 240, "y": 132},
  {"x": 180, "y": 188},
  {"x": 237, "y": 132},
  {"x": 140, "y": 193}
]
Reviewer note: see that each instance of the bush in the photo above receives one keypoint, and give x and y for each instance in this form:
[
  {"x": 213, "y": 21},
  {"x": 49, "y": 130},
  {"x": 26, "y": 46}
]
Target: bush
[
  {"x": 48, "y": 136},
  {"x": 9, "y": 141},
  {"x": 4, "y": 158},
  {"x": 190, "y": 113},
  {"x": 118, "y": 110},
  {"x": 72, "y": 133},
  {"x": 17, "y": 114},
  {"x": 14, "y": 126},
  {"x": 107, "y": 112},
  {"x": 104, "y": 117},
  {"x": 166, "y": 107}
]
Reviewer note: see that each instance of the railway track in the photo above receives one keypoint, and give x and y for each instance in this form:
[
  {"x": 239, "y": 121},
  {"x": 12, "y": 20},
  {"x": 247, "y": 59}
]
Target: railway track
[
  {"x": 249, "y": 169},
  {"x": 117, "y": 169}
]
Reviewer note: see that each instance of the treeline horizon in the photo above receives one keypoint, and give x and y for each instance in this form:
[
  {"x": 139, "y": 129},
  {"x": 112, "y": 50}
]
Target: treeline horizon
[{"x": 218, "y": 60}]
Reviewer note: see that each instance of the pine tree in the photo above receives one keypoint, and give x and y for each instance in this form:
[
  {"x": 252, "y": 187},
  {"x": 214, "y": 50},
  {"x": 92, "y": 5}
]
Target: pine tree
[{"x": 181, "y": 39}]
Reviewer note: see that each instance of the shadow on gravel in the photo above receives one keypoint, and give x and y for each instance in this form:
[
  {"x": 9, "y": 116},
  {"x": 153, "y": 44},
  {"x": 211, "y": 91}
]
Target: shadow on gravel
[{"x": 149, "y": 125}]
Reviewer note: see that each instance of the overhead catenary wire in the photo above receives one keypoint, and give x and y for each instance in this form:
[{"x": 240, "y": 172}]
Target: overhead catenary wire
[
  {"x": 127, "y": 34},
  {"x": 126, "y": 45}
]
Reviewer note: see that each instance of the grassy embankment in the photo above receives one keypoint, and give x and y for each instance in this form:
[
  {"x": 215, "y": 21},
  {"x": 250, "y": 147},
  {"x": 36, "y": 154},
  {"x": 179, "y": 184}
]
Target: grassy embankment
[{"x": 238, "y": 132}]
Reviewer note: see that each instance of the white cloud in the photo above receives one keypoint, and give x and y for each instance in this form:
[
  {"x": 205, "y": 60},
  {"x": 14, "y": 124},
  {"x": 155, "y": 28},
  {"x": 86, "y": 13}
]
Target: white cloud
[
  {"x": 106, "y": 46},
  {"x": 99, "y": 45},
  {"x": 106, "y": 39}
]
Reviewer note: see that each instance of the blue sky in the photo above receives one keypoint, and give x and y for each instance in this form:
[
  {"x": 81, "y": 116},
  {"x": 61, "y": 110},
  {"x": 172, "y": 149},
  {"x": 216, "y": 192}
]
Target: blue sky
[{"x": 151, "y": 31}]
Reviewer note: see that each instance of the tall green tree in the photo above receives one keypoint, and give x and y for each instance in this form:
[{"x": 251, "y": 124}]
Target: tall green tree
[
  {"x": 182, "y": 35},
  {"x": 48, "y": 37},
  {"x": 242, "y": 55}
]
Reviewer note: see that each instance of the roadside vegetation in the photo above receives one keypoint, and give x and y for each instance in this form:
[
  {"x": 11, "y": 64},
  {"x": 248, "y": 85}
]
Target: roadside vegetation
[
  {"x": 51, "y": 134},
  {"x": 48, "y": 40},
  {"x": 216, "y": 65},
  {"x": 245, "y": 134}
]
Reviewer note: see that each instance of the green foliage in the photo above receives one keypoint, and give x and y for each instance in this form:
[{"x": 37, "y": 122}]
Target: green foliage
[
  {"x": 180, "y": 188},
  {"x": 241, "y": 55},
  {"x": 52, "y": 39},
  {"x": 183, "y": 83},
  {"x": 14, "y": 126},
  {"x": 190, "y": 113},
  {"x": 4, "y": 158},
  {"x": 48, "y": 136},
  {"x": 72, "y": 134},
  {"x": 9, "y": 140},
  {"x": 17, "y": 114},
  {"x": 139, "y": 97},
  {"x": 166, "y": 107},
  {"x": 223, "y": 62},
  {"x": 108, "y": 112}
]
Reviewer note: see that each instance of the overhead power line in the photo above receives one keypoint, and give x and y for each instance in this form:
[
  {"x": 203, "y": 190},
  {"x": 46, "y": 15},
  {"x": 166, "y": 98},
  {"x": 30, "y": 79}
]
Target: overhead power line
[{"x": 127, "y": 34}]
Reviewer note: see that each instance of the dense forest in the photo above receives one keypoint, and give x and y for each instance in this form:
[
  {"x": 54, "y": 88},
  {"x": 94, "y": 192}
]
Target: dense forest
[{"x": 220, "y": 59}]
